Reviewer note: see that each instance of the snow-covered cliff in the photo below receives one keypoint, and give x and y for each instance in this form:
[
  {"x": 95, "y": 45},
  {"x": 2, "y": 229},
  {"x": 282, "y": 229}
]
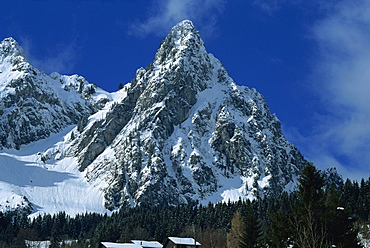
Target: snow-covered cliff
[{"x": 182, "y": 131}]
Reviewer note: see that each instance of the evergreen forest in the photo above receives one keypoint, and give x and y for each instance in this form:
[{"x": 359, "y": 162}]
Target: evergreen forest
[{"x": 315, "y": 215}]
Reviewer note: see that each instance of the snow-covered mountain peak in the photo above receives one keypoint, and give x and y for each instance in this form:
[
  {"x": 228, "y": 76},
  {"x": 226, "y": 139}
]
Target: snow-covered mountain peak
[
  {"x": 180, "y": 132},
  {"x": 185, "y": 133},
  {"x": 182, "y": 42},
  {"x": 184, "y": 26},
  {"x": 184, "y": 36},
  {"x": 10, "y": 47},
  {"x": 12, "y": 58}
]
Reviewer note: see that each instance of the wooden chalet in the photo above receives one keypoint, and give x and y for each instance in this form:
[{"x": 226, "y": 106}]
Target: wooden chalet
[{"x": 175, "y": 242}]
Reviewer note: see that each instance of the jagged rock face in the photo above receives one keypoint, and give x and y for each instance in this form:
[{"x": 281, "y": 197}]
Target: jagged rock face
[
  {"x": 331, "y": 177},
  {"x": 34, "y": 105},
  {"x": 182, "y": 129}
]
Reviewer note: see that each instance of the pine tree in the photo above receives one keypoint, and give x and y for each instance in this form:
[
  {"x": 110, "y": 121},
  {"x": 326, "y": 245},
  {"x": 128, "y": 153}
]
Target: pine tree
[
  {"x": 364, "y": 199},
  {"x": 279, "y": 232},
  {"x": 310, "y": 188},
  {"x": 252, "y": 232},
  {"x": 308, "y": 212}
]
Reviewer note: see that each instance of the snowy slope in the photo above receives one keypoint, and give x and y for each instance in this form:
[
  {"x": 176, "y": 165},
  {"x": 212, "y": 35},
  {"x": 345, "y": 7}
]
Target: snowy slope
[
  {"x": 51, "y": 187},
  {"x": 30, "y": 180},
  {"x": 35, "y": 106}
]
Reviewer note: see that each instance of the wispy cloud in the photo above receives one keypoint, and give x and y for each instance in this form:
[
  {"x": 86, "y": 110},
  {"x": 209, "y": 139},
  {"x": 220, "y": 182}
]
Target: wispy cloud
[
  {"x": 273, "y": 6},
  {"x": 60, "y": 59},
  {"x": 268, "y": 6},
  {"x": 167, "y": 13},
  {"x": 341, "y": 76}
]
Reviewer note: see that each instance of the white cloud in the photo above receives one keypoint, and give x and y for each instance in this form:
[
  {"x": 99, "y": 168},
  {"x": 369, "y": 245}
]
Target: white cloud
[
  {"x": 167, "y": 13},
  {"x": 342, "y": 78},
  {"x": 61, "y": 59}
]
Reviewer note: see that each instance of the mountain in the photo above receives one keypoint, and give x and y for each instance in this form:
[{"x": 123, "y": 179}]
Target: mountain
[
  {"x": 180, "y": 132},
  {"x": 184, "y": 132},
  {"x": 34, "y": 105},
  {"x": 36, "y": 110}
]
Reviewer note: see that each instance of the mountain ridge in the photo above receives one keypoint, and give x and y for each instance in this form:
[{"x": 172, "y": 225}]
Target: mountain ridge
[
  {"x": 34, "y": 105},
  {"x": 180, "y": 132}
]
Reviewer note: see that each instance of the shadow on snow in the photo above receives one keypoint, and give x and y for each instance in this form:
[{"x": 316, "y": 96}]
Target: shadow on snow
[{"x": 18, "y": 173}]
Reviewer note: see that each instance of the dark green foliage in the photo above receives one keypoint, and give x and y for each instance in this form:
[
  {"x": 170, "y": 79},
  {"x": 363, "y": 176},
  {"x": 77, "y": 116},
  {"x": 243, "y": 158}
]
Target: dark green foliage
[
  {"x": 341, "y": 231},
  {"x": 252, "y": 233},
  {"x": 310, "y": 188},
  {"x": 357, "y": 198},
  {"x": 279, "y": 232},
  {"x": 317, "y": 217},
  {"x": 272, "y": 220},
  {"x": 307, "y": 221}
]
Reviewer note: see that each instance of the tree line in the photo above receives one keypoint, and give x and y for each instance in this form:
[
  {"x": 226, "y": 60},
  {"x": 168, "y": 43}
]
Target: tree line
[{"x": 315, "y": 215}]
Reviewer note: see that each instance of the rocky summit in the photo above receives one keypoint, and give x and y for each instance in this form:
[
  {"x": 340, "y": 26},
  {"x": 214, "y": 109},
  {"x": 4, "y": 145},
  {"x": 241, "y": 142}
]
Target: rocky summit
[{"x": 181, "y": 132}]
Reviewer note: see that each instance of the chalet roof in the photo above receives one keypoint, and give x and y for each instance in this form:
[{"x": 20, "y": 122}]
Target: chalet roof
[
  {"x": 151, "y": 244},
  {"x": 183, "y": 241},
  {"x": 120, "y": 245}
]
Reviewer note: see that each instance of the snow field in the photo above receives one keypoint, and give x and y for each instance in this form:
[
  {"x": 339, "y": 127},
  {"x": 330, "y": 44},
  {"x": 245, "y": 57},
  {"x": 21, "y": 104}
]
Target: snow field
[{"x": 51, "y": 187}]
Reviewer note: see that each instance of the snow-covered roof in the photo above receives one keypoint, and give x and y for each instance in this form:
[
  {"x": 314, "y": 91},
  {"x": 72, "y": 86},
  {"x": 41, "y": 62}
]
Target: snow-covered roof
[
  {"x": 151, "y": 244},
  {"x": 120, "y": 245},
  {"x": 183, "y": 241}
]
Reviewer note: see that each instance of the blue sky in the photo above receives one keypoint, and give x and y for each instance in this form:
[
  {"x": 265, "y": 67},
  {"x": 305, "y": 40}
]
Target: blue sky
[{"x": 310, "y": 59}]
